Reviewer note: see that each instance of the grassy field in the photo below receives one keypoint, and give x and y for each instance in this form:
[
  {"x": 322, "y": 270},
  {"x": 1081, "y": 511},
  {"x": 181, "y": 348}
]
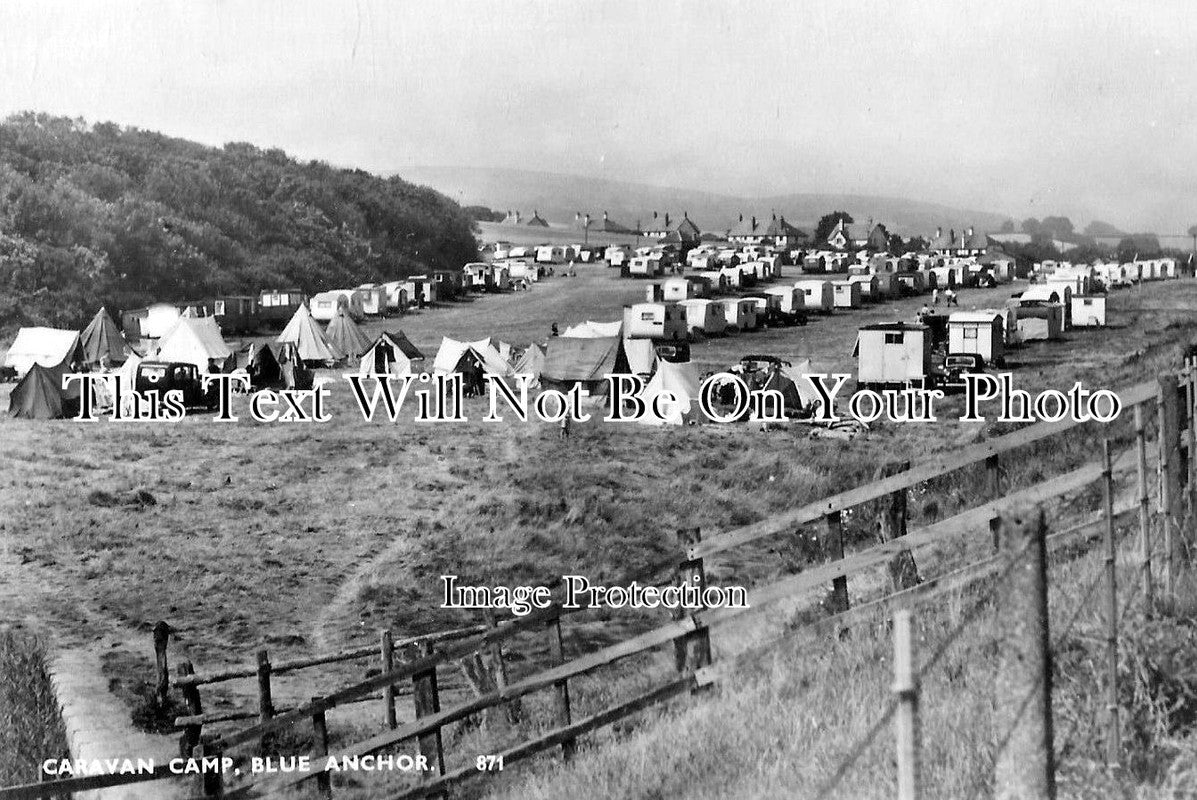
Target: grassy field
[
  {"x": 31, "y": 729},
  {"x": 304, "y": 539}
]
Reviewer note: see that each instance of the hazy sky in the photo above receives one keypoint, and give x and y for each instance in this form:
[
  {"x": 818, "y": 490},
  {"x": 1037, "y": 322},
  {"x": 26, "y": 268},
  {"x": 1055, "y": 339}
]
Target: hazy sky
[{"x": 1026, "y": 108}]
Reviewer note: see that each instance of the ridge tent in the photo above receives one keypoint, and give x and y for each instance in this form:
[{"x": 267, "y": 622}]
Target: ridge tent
[
  {"x": 38, "y": 395},
  {"x": 588, "y": 361},
  {"x": 344, "y": 334},
  {"x": 594, "y": 330},
  {"x": 802, "y": 384},
  {"x": 56, "y": 350},
  {"x": 306, "y": 338},
  {"x": 102, "y": 340},
  {"x": 391, "y": 354},
  {"x": 194, "y": 340},
  {"x": 641, "y": 355},
  {"x": 531, "y": 363},
  {"x": 682, "y": 381},
  {"x": 452, "y": 354}
]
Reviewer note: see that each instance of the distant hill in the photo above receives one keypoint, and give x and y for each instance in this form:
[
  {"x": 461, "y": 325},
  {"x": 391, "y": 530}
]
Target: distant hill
[
  {"x": 99, "y": 214},
  {"x": 560, "y": 197}
]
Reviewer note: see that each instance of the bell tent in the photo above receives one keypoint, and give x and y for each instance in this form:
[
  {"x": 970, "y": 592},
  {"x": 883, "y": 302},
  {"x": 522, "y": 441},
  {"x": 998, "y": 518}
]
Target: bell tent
[
  {"x": 344, "y": 334},
  {"x": 682, "y": 382},
  {"x": 52, "y": 348},
  {"x": 306, "y": 339},
  {"x": 194, "y": 340},
  {"x": 103, "y": 342},
  {"x": 587, "y": 361}
]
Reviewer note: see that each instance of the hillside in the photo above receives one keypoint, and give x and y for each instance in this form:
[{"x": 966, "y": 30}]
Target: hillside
[
  {"x": 93, "y": 214},
  {"x": 559, "y": 197}
]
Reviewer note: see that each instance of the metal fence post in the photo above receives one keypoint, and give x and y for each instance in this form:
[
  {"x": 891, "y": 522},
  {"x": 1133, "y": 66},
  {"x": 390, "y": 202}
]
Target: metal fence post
[
  {"x": 1144, "y": 510},
  {"x": 1113, "y": 735},
  {"x": 907, "y": 729},
  {"x": 1024, "y": 767},
  {"x": 1169, "y": 446}
]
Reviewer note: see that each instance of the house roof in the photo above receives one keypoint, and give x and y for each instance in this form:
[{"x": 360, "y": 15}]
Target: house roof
[{"x": 857, "y": 231}]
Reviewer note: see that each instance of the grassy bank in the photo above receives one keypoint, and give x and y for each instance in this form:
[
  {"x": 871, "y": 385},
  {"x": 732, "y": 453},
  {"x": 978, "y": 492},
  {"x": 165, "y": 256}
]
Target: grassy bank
[
  {"x": 31, "y": 727},
  {"x": 786, "y": 723}
]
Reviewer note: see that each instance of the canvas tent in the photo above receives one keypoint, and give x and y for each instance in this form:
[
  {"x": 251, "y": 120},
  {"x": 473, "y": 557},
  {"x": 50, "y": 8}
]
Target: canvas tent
[
  {"x": 452, "y": 357},
  {"x": 681, "y": 380},
  {"x": 52, "y": 348},
  {"x": 38, "y": 395},
  {"x": 642, "y": 356},
  {"x": 594, "y": 330},
  {"x": 194, "y": 340},
  {"x": 307, "y": 341},
  {"x": 531, "y": 363},
  {"x": 102, "y": 341},
  {"x": 344, "y": 334},
  {"x": 259, "y": 362},
  {"x": 807, "y": 396},
  {"x": 587, "y": 361},
  {"x": 391, "y": 354}
]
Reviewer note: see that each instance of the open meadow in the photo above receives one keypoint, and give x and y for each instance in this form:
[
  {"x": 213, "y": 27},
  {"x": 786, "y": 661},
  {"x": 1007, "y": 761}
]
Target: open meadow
[{"x": 306, "y": 539}]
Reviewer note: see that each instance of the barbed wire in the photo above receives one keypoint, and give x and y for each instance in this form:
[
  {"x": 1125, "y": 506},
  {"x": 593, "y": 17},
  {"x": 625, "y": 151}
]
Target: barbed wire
[{"x": 945, "y": 644}]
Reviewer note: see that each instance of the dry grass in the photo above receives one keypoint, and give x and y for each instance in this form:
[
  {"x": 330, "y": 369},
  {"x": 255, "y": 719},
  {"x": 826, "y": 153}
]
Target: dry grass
[
  {"x": 303, "y": 539},
  {"x": 783, "y": 727},
  {"x": 31, "y": 728}
]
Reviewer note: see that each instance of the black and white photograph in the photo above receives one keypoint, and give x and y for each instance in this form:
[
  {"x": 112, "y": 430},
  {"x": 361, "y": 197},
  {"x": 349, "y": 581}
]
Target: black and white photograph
[{"x": 556, "y": 400}]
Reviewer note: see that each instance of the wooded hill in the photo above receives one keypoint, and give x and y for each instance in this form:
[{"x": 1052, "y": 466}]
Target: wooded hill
[{"x": 99, "y": 214}]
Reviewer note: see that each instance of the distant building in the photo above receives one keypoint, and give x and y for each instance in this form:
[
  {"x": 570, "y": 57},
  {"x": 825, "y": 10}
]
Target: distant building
[
  {"x": 968, "y": 243},
  {"x": 605, "y": 225},
  {"x": 537, "y": 221},
  {"x": 1011, "y": 238},
  {"x": 512, "y": 218},
  {"x": 776, "y": 232},
  {"x": 682, "y": 231}
]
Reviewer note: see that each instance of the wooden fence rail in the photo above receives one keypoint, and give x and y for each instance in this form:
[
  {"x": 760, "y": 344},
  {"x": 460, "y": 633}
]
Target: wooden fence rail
[{"x": 692, "y": 629}]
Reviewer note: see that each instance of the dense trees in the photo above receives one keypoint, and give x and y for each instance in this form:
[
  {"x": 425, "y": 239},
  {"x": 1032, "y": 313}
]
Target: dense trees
[
  {"x": 828, "y": 222},
  {"x": 120, "y": 216}
]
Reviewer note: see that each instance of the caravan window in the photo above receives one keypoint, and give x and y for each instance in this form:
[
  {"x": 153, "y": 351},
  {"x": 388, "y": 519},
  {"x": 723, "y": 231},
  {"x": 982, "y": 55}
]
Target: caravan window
[
  {"x": 895, "y": 337},
  {"x": 970, "y": 333},
  {"x": 218, "y": 308},
  {"x": 647, "y": 316}
]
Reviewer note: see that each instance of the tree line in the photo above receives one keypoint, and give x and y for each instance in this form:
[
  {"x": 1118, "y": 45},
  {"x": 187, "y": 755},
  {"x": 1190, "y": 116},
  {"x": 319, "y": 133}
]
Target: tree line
[{"x": 100, "y": 214}]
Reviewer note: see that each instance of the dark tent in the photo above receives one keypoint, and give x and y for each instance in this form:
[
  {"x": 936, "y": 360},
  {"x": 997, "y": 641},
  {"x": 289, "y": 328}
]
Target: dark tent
[
  {"x": 391, "y": 353},
  {"x": 569, "y": 361},
  {"x": 260, "y": 362},
  {"x": 400, "y": 340},
  {"x": 37, "y": 396},
  {"x": 102, "y": 341},
  {"x": 791, "y": 401}
]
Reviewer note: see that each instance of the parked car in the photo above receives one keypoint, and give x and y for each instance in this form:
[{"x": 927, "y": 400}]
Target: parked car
[
  {"x": 165, "y": 376},
  {"x": 956, "y": 366}
]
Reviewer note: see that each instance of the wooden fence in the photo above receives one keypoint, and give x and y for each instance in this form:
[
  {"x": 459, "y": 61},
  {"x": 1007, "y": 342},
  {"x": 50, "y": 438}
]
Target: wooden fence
[{"x": 688, "y": 635}]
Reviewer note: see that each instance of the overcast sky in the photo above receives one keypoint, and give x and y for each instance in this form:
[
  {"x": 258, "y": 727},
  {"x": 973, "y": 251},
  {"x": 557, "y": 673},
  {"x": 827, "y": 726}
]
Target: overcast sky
[{"x": 1026, "y": 108}]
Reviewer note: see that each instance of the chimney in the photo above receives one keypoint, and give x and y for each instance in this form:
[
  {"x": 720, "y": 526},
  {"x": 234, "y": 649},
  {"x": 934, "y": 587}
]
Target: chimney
[
  {"x": 774, "y": 216},
  {"x": 587, "y": 218},
  {"x": 577, "y": 216},
  {"x": 970, "y": 230},
  {"x": 754, "y": 223},
  {"x": 741, "y": 216},
  {"x": 666, "y": 219},
  {"x": 517, "y": 216},
  {"x": 604, "y": 216},
  {"x": 654, "y": 217},
  {"x": 938, "y": 232},
  {"x": 685, "y": 215}
]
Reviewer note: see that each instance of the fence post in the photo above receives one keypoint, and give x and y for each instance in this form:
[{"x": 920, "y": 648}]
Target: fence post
[
  {"x": 891, "y": 524},
  {"x": 1144, "y": 510},
  {"x": 1113, "y": 735},
  {"x": 161, "y": 640},
  {"x": 211, "y": 784},
  {"x": 1169, "y": 445},
  {"x": 993, "y": 490},
  {"x": 907, "y": 729},
  {"x": 427, "y": 701},
  {"x": 693, "y": 650},
  {"x": 191, "y": 695},
  {"x": 265, "y": 701},
  {"x": 320, "y": 748},
  {"x": 388, "y": 692},
  {"x": 561, "y": 688},
  {"x": 1024, "y": 767},
  {"x": 499, "y": 667},
  {"x": 837, "y": 603}
]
